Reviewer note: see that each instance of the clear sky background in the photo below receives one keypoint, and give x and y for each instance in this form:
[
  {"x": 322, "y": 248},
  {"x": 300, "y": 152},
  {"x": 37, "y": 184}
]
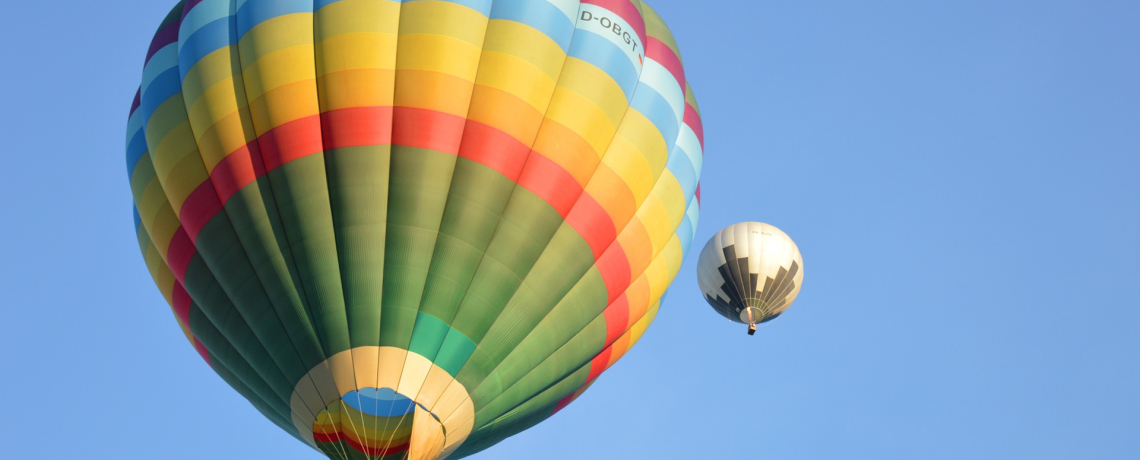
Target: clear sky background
[{"x": 963, "y": 178}]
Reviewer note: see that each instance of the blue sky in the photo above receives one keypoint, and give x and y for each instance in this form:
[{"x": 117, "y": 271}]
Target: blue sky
[{"x": 961, "y": 177}]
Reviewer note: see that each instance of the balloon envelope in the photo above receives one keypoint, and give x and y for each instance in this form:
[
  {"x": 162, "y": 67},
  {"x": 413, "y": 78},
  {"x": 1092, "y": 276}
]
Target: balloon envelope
[
  {"x": 412, "y": 229},
  {"x": 750, "y": 272}
]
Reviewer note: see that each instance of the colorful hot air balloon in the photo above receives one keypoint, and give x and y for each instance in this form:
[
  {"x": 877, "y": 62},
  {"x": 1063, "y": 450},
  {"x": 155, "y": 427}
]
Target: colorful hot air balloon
[
  {"x": 750, "y": 272},
  {"x": 411, "y": 229}
]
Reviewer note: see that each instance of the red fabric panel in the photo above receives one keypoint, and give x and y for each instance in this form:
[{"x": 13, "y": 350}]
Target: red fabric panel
[
  {"x": 664, "y": 55},
  {"x": 614, "y": 267},
  {"x": 290, "y": 141},
  {"x": 694, "y": 122},
  {"x": 494, "y": 148},
  {"x": 357, "y": 126},
  {"x": 591, "y": 221},
  {"x": 617, "y": 319},
  {"x": 626, "y": 10},
  {"x": 550, "y": 182},
  {"x": 427, "y": 129},
  {"x": 201, "y": 206}
]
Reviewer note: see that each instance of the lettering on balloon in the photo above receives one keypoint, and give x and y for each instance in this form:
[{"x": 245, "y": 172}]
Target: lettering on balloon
[{"x": 613, "y": 28}]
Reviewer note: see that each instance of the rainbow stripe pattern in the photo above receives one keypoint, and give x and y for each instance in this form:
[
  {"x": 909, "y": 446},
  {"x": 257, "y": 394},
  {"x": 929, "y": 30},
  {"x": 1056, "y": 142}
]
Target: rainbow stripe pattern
[{"x": 411, "y": 229}]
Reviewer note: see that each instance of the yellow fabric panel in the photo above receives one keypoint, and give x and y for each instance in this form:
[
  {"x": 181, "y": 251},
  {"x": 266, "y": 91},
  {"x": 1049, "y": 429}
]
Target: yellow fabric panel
[
  {"x": 343, "y": 372},
  {"x": 216, "y": 67},
  {"x": 658, "y": 276},
  {"x": 383, "y": 432},
  {"x": 328, "y": 421},
  {"x": 173, "y": 148},
  {"x": 582, "y": 116},
  {"x": 613, "y": 195},
  {"x": 356, "y": 88},
  {"x": 159, "y": 271},
  {"x": 216, "y": 103},
  {"x": 655, "y": 217},
  {"x": 506, "y": 112},
  {"x": 311, "y": 406},
  {"x": 413, "y": 376},
  {"x": 226, "y": 136},
  {"x": 356, "y": 51},
  {"x": 632, "y": 239},
  {"x": 365, "y": 360},
  {"x": 527, "y": 44},
  {"x": 438, "y": 53},
  {"x": 568, "y": 149},
  {"x": 186, "y": 176},
  {"x": 434, "y": 91},
  {"x": 597, "y": 86},
  {"x": 517, "y": 77},
  {"x": 427, "y": 437},
  {"x": 163, "y": 227},
  {"x": 143, "y": 239},
  {"x": 673, "y": 256},
  {"x": 150, "y": 204},
  {"x": 455, "y": 401},
  {"x": 279, "y": 68},
  {"x": 643, "y": 134},
  {"x": 324, "y": 385},
  {"x": 166, "y": 118},
  {"x": 348, "y": 16},
  {"x": 691, "y": 98},
  {"x": 673, "y": 197},
  {"x": 284, "y": 104},
  {"x": 618, "y": 349},
  {"x": 642, "y": 325},
  {"x": 443, "y": 19},
  {"x": 628, "y": 163},
  {"x": 163, "y": 278},
  {"x": 638, "y": 296},
  {"x": 275, "y": 35},
  {"x": 142, "y": 176},
  {"x": 435, "y": 384},
  {"x": 391, "y": 365}
]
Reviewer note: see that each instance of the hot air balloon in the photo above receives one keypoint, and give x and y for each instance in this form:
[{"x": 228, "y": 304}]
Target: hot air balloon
[
  {"x": 750, "y": 273},
  {"x": 411, "y": 229}
]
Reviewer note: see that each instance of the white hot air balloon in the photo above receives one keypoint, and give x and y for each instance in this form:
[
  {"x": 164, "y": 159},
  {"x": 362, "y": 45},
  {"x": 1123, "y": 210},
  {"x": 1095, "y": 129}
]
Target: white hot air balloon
[{"x": 750, "y": 272}]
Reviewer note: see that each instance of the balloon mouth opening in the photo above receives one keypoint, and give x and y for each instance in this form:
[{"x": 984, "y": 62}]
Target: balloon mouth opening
[
  {"x": 377, "y": 422},
  {"x": 754, "y": 313}
]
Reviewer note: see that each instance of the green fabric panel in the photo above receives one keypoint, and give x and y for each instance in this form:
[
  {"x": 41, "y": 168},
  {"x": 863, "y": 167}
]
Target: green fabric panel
[
  {"x": 475, "y": 204},
  {"x": 490, "y": 290},
  {"x": 300, "y": 189},
  {"x": 249, "y": 360},
  {"x": 566, "y": 258},
  {"x": 166, "y": 118},
  {"x": 427, "y": 335},
  {"x": 476, "y": 200},
  {"x": 526, "y": 227},
  {"x": 454, "y": 351},
  {"x": 418, "y": 190},
  {"x": 526, "y": 417},
  {"x": 436, "y": 340},
  {"x": 142, "y": 176},
  {"x": 574, "y": 313},
  {"x": 358, "y": 193},
  {"x": 220, "y": 279},
  {"x": 565, "y": 362},
  {"x": 252, "y": 212},
  {"x": 396, "y": 326}
]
